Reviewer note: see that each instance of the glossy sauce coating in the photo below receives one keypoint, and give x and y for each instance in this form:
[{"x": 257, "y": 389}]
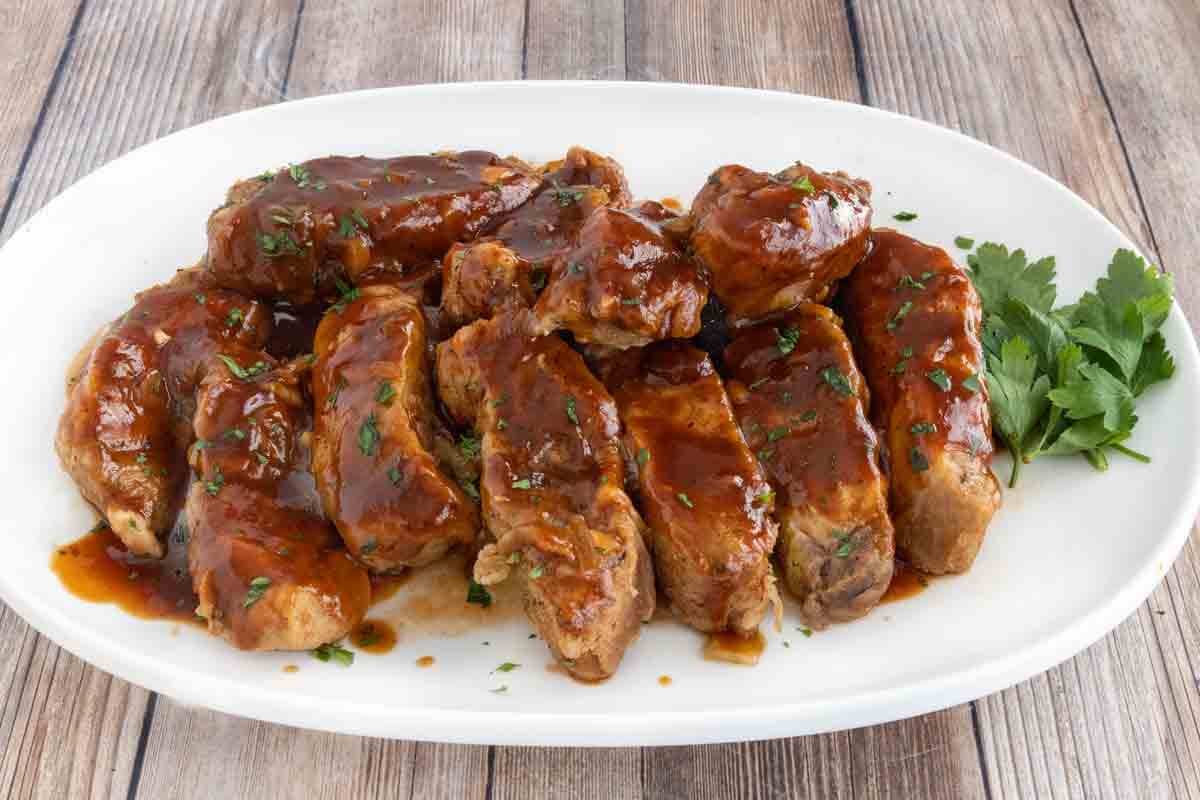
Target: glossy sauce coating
[
  {"x": 269, "y": 569},
  {"x": 770, "y": 242},
  {"x": 551, "y": 487},
  {"x": 291, "y": 234},
  {"x": 801, "y": 402},
  {"x": 625, "y": 283},
  {"x": 704, "y": 495},
  {"x": 392, "y": 502},
  {"x": 99, "y": 568},
  {"x": 127, "y": 420},
  {"x": 915, "y": 319}
]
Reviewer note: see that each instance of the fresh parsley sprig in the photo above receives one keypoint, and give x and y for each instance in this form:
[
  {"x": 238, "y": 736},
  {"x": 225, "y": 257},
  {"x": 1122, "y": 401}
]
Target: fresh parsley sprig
[{"x": 1065, "y": 380}]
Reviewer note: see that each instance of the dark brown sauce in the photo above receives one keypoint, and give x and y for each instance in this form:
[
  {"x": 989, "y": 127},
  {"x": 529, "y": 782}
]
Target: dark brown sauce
[
  {"x": 735, "y": 649},
  {"x": 906, "y": 582},
  {"x": 425, "y": 661},
  {"x": 294, "y": 328},
  {"x": 97, "y": 568},
  {"x": 374, "y": 636}
]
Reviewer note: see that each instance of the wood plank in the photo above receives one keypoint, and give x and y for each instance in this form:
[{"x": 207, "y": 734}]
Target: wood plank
[
  {"x": 33, "y": 41},
  {"x": 805, "y": 47},
  {"x": 1119, "y": 720},
  {"x": 134, "y": 72},
  {"x": 343, "y": 46},
  {"x": 567, "y": 40},
  {"x": 796, "y": 45}
]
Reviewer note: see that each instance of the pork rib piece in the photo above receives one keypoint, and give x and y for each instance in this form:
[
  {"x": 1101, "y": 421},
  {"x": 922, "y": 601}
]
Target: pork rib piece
[
  {"x": 552, "y": 489},
  {"x": 294, "y": 233},
  {"x": 706, "y": 500},
  {"x": 374, "y": 435},
  {"x": 269, "y": 569},
  {"x": 802, "y": 405}
]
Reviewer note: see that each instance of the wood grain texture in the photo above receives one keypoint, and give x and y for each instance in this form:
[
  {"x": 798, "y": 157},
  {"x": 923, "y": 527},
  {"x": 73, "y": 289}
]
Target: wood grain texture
[
  {"x": 342, "y": 46},
  {"x": 33, "y": 42},
  {"x": 568, "y": 40},
  {"x": 797, "y": 45},
  {"x": 1120, "y": 719}
]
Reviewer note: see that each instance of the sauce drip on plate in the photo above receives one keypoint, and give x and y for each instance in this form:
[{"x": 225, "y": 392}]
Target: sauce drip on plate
[
  {"x": 373, "y": 636},
  {"x": 906, "y": 582}
]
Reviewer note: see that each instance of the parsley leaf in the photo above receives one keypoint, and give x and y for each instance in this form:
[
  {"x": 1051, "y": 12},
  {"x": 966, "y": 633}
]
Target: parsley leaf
[
  {"x": 1019, "y": 396},
  {"x": 478, "y": 594}
]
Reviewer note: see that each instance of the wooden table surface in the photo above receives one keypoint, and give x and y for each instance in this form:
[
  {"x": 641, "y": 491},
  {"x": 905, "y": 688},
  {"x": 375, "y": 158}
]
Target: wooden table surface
[{"x": 1104, "y": 95}]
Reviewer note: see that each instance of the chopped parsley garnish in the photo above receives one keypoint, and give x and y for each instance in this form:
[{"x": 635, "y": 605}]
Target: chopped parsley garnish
[
  {"x": 970, "y": 383},
  {"x": 523, "y": 483},
  {"x": 333, "y": 652},
  {"x": 917, "y": 460},
  {"x": 571, "y": 415},
  {"x": 909, "y": 282},
  {"x": 507, "y": 666},
  {"x": 370, "y": 546},
  {"x": 804, "y": 185},
  {"x": 808, "y": 416},
  {"x": 902, "y": 364},
  {"x": 631, "y": 301},
  {"x": 574, "y": 267},
  {"x": 775, "y": 434},
  {"x": 278, "y": 245},
  {"x": 904, "y": 216},
  {"x": 214, "y": 484},
  {"x": 765, "y": 497},
  {"x": 901, "y": 313},
  {"x": 200, "y": 297},
  {"x": 501, "y": 689},
  {"x": 368, "y": 435},
  {"x": 258, "y": 588},
  {"x": 765, "y": 454},
  {"x": 643, "y": 457},
  {"x": 470, "y": 447},
  {"x": 243, "y": 373},
  {"x": 964, "y": 242},
  {"x": 395, "y": 475},
  {"x": 840, "y": 383},
  {"x": 566, "y": 197},
  {"x": 478, "y": 594},
  {"x": 235, "y": 434},
  {"x": 923, "y": 427},
  {"x": 939, "y": 378},
  {"x": 385, "y": 393},
  {"x": 846, "y": 543},
  {"x": 470, "y": 489},
  {"x": 683, "y": 498},
  {"x": 758, "y": 383},
  {"x": 538, "y": 571},
  {"x": 331, "y": 400},
  {"x": 786, "y": 339},
  {"x": 367, "y": 635},
  {"x": 350, "y": 224},
  {"x": 235, "y": 318},
  {"x": 304, "y": 177},
  {"x": 348, "y": 295},
  {"x": 501, "y": 424},
  {"x": 806, "y": 631}
]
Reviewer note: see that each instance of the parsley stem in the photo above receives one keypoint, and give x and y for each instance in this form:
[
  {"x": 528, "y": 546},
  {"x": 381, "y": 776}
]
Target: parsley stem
[
  {"x": 1017, "y": 458},
  {"x": 1134, "y": 454}
]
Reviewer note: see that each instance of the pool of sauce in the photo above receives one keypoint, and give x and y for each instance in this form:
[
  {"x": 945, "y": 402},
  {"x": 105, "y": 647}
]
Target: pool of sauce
[
  {"x": 664, "y": 680},
  {"x": 906, "y": 582},
  {"x": 425, "y": 661},
  {"x": 97, "y": 568},
  {"x": 374, "y": 636},
  {"x": 732, "y": 648}
]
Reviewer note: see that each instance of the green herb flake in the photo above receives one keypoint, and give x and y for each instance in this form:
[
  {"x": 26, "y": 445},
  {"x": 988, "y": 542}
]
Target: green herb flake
[
  {"x": 470, "y": 447},
  {"x": 923, "y": 427},
  {"x": 964, "y": 242},
  {"x": 538, "y": 571},
  {"x": 385, "y": 393},
  {"x": 808, "y": 416},
  {"x": 939, "y": 378},
  {"x": 970, "y": 383},
  {"x": 775, "y": 434},
  {"x": 571, "y": 415},
  {"x": 243, "y": 373},
  {"x": 333, "y": 652},
  {"x": 523, "y": 483},
  {"x": 258, "y": 588},
  {"x": 765, "y": 497},
  {"x": 901, "y": 313},
  {"x": 507, "y": 666},
  {"x": 368, "y": 435},
  {"x": 213, "y": 485},
  {"x": 917, "y": 460},
  {"x": 846, "y": 543},
  {"x": 909, "y": 282},
  {"x": 332, "y": 399},
  {"x": 683, "y": 498},
  {"x": 839, "y": 382},
  {"x": 643, "y": 457},
  {"x": 905, "y": 216},
  {"x": 478, "y": 594},
  {"x": 804, "y": 185},
  {"x": 786, "y": 339}
]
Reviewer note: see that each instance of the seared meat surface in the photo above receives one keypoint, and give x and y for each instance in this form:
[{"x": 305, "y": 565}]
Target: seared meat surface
[
  {"x": 626, "y": 282},
  {"x": 270, "y": 571},
  {"x": 128, "y": 416},
  {"x": 802, "y": 405},
  {"x": 293, "y": 234},
  {"x": 374, "y": 432},
  {"x": 582, "y": 167},
  {"x": 552, "y": 489},
  {"x": 706, "y": 500},
  {"x": 915, "y": 319},
  {"x": 772, "y": 241}
]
